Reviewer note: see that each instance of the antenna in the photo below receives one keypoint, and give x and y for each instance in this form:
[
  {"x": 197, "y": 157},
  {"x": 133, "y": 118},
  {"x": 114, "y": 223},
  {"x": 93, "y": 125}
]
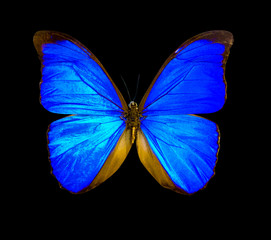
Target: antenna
[
  {"x": 137, "y": 86},
  {"x": 126, "y": 88}
]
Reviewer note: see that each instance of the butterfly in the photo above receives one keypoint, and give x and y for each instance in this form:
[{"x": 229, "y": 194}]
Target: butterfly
[{"x": 177, "y": 147}]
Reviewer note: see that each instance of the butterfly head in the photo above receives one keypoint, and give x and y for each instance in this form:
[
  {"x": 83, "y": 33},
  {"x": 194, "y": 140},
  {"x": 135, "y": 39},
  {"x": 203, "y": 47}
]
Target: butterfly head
[{"x": 133, "y": 105}]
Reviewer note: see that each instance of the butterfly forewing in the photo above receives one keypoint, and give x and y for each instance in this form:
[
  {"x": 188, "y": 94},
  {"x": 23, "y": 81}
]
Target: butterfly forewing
[
  {"x": 192, "y": 80},
  {"x": 73, "y": 80}
]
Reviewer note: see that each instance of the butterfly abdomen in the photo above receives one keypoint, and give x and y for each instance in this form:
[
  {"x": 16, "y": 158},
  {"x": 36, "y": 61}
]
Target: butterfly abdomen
[{"x": 132, "y": 119}]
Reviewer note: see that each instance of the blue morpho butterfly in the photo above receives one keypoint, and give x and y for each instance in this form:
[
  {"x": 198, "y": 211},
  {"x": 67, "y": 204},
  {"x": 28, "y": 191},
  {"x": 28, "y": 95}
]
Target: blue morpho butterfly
[{"x": 179, "y": 149}]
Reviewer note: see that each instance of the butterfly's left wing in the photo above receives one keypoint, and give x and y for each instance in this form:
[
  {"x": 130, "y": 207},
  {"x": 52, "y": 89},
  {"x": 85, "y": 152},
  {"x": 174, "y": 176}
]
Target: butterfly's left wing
[
  {"x": 85, "y": 150},
  {"x": 73, "y": 80}
]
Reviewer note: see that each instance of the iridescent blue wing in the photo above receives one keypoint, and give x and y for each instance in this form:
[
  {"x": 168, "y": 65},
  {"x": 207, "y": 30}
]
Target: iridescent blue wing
[
  {"x": 192, "y": 80},
  {"x": 73, "y": 80},
  {"x": 87, "y": 148},
  {"x": 181, "y": 150}
]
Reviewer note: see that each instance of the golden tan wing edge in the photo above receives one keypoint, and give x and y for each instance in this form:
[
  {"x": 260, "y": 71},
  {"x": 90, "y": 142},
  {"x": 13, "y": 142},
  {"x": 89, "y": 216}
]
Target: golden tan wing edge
[
  {"x": 152, "y": 164},
  {"x": 114, "y": 160}
]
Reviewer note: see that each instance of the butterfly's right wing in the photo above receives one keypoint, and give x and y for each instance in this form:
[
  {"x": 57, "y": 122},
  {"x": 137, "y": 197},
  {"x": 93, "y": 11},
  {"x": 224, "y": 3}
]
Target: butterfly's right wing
[
  {"x": 192, "y": 79},
  {"x": 180, "y": 150}
]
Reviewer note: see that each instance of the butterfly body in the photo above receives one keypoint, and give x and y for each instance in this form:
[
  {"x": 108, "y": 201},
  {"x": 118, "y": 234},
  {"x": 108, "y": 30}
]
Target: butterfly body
[
  {"x": 177, "y": 147},
  {"x": 132, "y": 119}
]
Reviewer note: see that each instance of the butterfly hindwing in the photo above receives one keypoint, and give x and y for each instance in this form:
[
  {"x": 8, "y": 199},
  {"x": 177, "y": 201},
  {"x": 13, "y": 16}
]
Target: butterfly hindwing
[
  {"x": 80, "y": 146},
  {"x": 182, "y": 151}
]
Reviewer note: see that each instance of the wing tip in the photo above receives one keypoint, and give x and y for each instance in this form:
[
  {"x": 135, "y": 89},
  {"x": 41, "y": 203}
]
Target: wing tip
[
  {"x": 216, "y": 36},
  {"x": 41, "y": 37},
  {"x": 222, "y": 36},
  {"x": 48, "y": 36}
]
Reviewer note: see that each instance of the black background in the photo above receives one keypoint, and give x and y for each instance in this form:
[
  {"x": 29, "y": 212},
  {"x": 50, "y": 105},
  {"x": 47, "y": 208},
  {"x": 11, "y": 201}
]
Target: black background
[{"x": 131, "y": 40}]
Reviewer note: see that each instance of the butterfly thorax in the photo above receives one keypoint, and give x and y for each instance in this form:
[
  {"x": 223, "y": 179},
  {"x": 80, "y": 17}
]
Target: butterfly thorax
[{"x": 132, "y": 119}]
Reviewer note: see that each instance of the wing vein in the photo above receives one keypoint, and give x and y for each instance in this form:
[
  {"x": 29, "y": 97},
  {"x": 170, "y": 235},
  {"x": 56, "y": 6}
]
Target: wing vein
[
  {"x": 170, "y": 89},
  {"x": 181, "y": 52},
  {"x": 74, "y": 49},
  {"x": 96, "y": 90},
  {"x": 93, "y": 145}
]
